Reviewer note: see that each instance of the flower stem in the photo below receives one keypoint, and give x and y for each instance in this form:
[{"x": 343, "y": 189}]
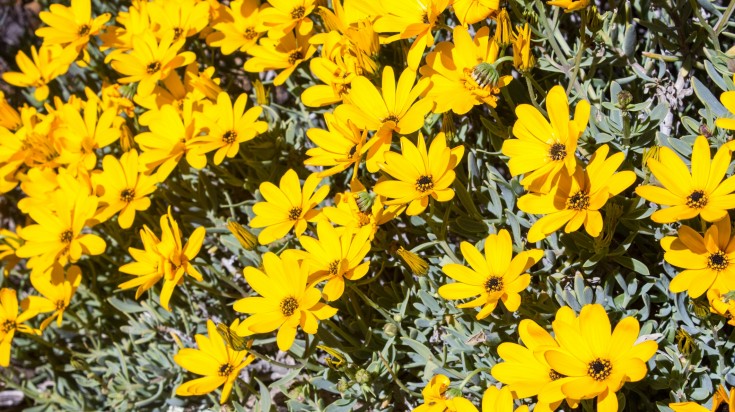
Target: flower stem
[{"x": 580, "y": 52}]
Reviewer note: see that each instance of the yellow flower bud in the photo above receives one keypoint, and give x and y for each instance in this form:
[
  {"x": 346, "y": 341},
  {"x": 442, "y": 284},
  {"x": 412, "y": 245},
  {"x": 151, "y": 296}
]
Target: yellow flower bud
[
  {"x": 417, "y": 265},
  {"x": 247, "y": 240}
]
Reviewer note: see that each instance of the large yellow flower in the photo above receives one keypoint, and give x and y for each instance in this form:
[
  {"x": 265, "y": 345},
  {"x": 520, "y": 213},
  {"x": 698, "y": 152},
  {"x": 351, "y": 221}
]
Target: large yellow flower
[
  {"x": 701, "y": 192},
  {"x": 288, "y": 206},
  {"x": 10, "y": 322},
  {"x": 392, "y": 109},
  {"x": 180, "y": 19},
  {"x": 335, "y": 257},
  {"x": 721, "y": 402},
  {"x": 577, "y": 199},
  {"x": 287, "y": 15},
  {"x": 497, "y": 276},
  {"x": 44, "y": 65},
  {"x": 709, "y": 261},
  {"x": 219, "y": 364},
  {"x": 286, "y": 301},
  {"x": 420, "y": 174},
  {"x": 70, "y": 24},
  {"x": 241, "y": 30},
  {"x": 595, "y": 361},
  {"x": 543, "y": 149},
  {"x": 56, "y": 289},
  {"x": 457, "y": 72},
  {"x": 285, "y": 53},
  {"x": 340, "y": 146},
  {"x": 436, "y": 399}
]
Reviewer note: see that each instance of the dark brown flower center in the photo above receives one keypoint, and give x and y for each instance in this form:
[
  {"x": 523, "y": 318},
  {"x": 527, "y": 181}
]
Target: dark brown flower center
[
  {"x": 83, "y": 30},
  {"x": 60, "y": 304},
  {"x": 294, "y": 57},
  {"x": 298, "y": 12},
  {"x": 127, "y": 195},
  {"x": 153, "y": 67},
  {"x": 554, "y": 375},
  {"x": 225, "y": 370},
  {"x": 289, "y": 306},
  {"x": 579, "y": 201},
  {"x": 599, "y": 369},
  {"x": 718, "y": 261},
  {"x": 391, "y": 118},
  {"x": 557, "y": 152},
  {"x": 424, "y": 183},
  {"x": 697, "y": 200},
  {"x": 250, "y": 33},
  {"x": 294, "y": 213},
  {"x": 494, "y": 284},
  {"x": 178, "y": 31},
  {"x": 334, "y": 267},
  {"x": 66, "y": 236},
  {"x": 8, "y": 325},
  {"x": 229, "y": 137}
]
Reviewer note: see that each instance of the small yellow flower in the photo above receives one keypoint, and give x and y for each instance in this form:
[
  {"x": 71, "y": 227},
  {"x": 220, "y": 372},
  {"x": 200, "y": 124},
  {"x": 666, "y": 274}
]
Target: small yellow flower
[
  {"x": 180, "y": 19},
  {"x": 286, "y": 15},
  {"x": 247, "y": 240},
  {"x": 56, "y": 289},
  {"x": 82, "y": 134},
  {"x": 699, "y": 192},
  {"x": 284, "y": 53},
  {"x": 523, "y": 59},
  {"x": 420, "y": 173},
  {"x": 10, "y": 322},
  {"x": 418, "y": 265},
  {"x": 287, "y": 206},
  {"x": 147, "y": 265},
  {"x": 497, "y": 276},
  {"x": 286, "y": 301},
  {"x": 722, "y": 304},
  {"x": 436, "y": 398},
  {"x": 9, "y": 117},
  {"x": 9, "y": 243},
  {"x": 217, "y": 362},
  {"x": 340, "y": 146},
  {"x": 503, "y": 30},
  {"x": 44, "y": 65},
  {"x": 70, "y": 24},
  {"x": 569, "y": 5},
  {"x": 500, "y": 400},
  {"x": 243, "y": 28},
  {"x": 473, "y": 11},
  {"x": 350, "y": 214},
  {"x": 721, "y": 402}
]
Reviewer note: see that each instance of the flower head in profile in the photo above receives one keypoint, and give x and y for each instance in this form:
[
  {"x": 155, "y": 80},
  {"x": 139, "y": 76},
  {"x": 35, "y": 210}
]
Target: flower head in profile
[
  {"x": 523, "y": 59},
  {"x": 340, "y": 146},
  {"x": 392, "y": 109},
  {"x": 544, "y": 148},
  {"x": 44, "y": 65},
  {"x": 56, "y": 286},
  {"x": 10, "y": 322},
  {"x": 287, "y": 206},
  {"x": 227, "y": 125},
  {"x": 420, "y": 174},
  {"x": 699, "y": 191},
  {"x": 179, "y": 19},
  {"x": 358, "y": 208},
  {"x": 70, "y": 24},
  {"x": 722, "y": 401},
  {"x": 595, "y": 360},
  {"x": 473, "y": 11},
  {"x": 286, "y": 15},
  {"x": 218, "y": 363},
  {"x": 335, "y": 257},
  {"x": 437, "y": 398},
  {"x": 81, "y": 134},
  {"x": 462, "y": 73},
  {"x": 722, "y": 304},
  {"x": 569, "y": 5},
  {"x": 708, "y": 261},
  {"x": 576, "y": 200},
  {"x": 496, "y": 276},
  {"x": 500, "y": 400},
  {"x": 286, "y": 301}
]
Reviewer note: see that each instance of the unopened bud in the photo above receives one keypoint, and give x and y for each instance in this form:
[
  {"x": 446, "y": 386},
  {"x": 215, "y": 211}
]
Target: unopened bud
[
  {"x": 417, "y": 265},
  {"x": 390, "y": 329},
  {"x": 362, "y": 376},
  {"x": 247, "y": 240},
  {"x": 485, "y": 74}
]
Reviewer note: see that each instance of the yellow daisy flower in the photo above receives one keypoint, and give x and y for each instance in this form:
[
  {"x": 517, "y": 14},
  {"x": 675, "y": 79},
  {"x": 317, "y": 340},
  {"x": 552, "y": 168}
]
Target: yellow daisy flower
[
  {"x": 335, "y": 257},
  {"x": 286, "y": 301},
  {"x": 81, "y": 134},
  {"x": 44, "y": 65},
  {"x": 577, "y": 199},
  {"x": 284, "y": 53},
  {"x": 195, "y": 87},
  {"x": 722, "y": 304},
  {"x": 56, "y": 289},
  {"x": 542, "y": 149},
  {"x": 286, "y": 15},
  {"x": 411, "y": 19},
  {"x": 595, "y": 361},
  {"x": 420, "y": 174},
  {"x": 10, "y": 322},
  {"x": 123, "y": 189},
  {"x": 9, "y": 117},
  {"x": 147, "y": 265},
  {"x": 456, "y": 72},
  {"x": 358, "y": 208},
  {"x": 9, "y": 243},
  {"x": 287, "y": 206},
  {"x": 181, "y": 18},
  {"x": 392, "y": 109},
  {"x": 569, "y": 5},
  {"x": 150, "y": 61},
  {"x": 473, "y": 11},
  {"x": 241, "y": 30},
  {"x": 495, "y": 277},
  {"x": 721, "y": 402},
  {"x": 226, "y": 126},
  {"x": 701, "y": 192},
  {"x": 70, "y": 24},
  {"x": 709, "y": 261},
  {"x": 436, "y": 399},
  {"x": 500, "y": 400},
  {"x": 340, "y": 146},
  {"x": 219, "y": 364}
]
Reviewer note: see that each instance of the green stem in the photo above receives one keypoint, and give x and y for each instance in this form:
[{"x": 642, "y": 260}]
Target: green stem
[
  {"x": 720, "y": 26},
  {"x": 547, "y": 29},
  {"x": 703, "y": 22},
  {"x": 531, "y": 93},
  {"x": 578, "y": 57}
]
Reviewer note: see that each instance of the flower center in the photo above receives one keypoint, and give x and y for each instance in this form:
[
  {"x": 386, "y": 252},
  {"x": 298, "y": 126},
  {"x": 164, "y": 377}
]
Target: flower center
[
  {"x": 494, "y": 284},
  {"x": 229, "y": 137},
  {"x": 294, "y": 213},
  {"x": 225, "y": 370},
  {"x": 554, "y": 375},
  {"x": 579, "y": 201},
  {"x": 557, "y": 152},
  {"x": 289, "y": 306},
  {"x": 599, "y": 369},
  {"x": 250, "y": 33},
  {"x": 8, "y": 325},
  {"x": 352, "y": 152},
  {"x": 83, "y": 30},
  {"x": 697, "y": 200},
  {"x": 363, "y": 218},
  {"x": 294, "y": 57},
  {"x": 153, "y": 67},
  {"x": 66, "y": 236},
  {"x": 392, "y": 118},
  {"x": 425, "y": 18},
  {"x": 298, "y": 12},
  {"x": 334, "y": 267},
  {"x": 424, "y": 183},
  {"x": 60, "y": 304},
  {"x": 718, "y": 261},
  {"x": 127, "y": 195},
  {"x": 178, "y": 31}
]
